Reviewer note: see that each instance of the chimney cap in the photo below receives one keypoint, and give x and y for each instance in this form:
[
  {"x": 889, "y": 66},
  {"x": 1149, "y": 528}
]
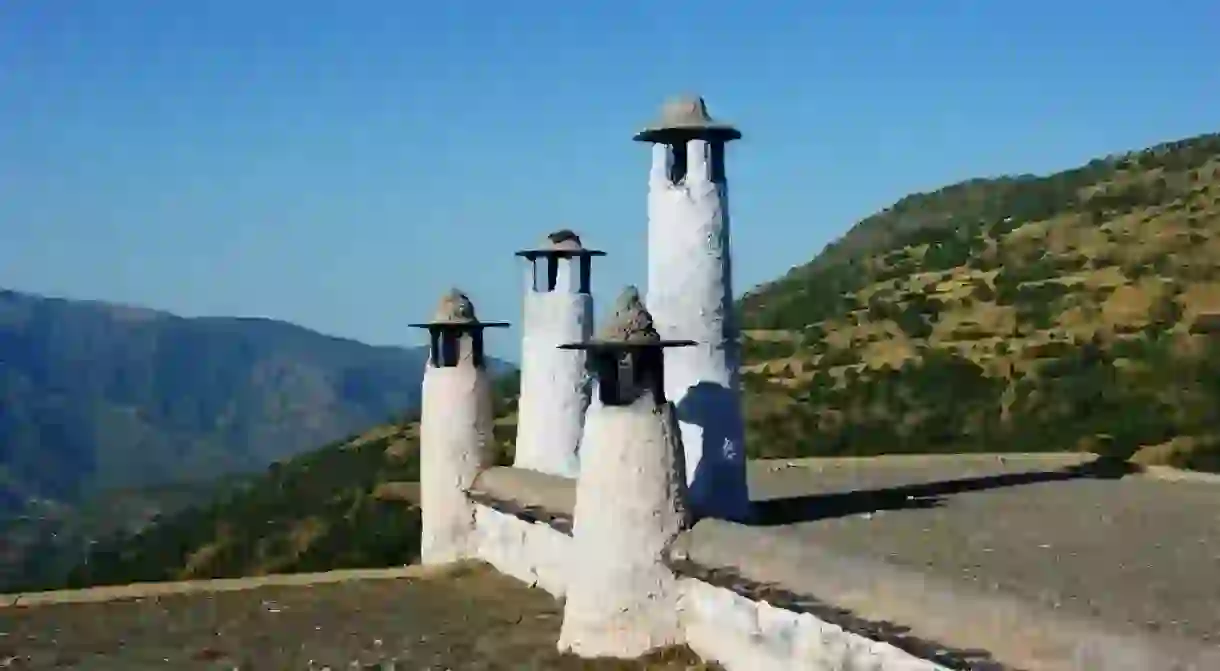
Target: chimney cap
[
  {"x": 455, "y": 310},
  {"x": 564, "y": 243},
  {"x": 631, "y": 326},
  {"x": 564, "y": 238},
  {"x": 685, "y": 117}
]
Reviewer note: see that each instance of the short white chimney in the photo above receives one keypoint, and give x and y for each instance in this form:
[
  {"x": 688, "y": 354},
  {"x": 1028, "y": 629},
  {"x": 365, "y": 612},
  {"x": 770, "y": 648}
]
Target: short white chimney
[
  {"x": 554, "y": 382},
  {"x": 622, "y": 601},
  {"x": 455, "y": 428},
  {"x": 690, "y": 294}
]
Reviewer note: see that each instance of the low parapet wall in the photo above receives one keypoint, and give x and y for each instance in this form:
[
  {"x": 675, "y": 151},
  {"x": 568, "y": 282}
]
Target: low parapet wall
[
  {"x": 758, "y": 598},
  {"x": 529, "y": 494},
  {"x": 523, "y": 525},
  {"x": 523, "y": 528},
  {"x": 750, "y": 634}
]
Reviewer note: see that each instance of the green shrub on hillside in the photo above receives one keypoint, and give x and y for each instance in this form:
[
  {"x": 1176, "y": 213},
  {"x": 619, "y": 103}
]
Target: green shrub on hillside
[{"x": 948, "y": 403}]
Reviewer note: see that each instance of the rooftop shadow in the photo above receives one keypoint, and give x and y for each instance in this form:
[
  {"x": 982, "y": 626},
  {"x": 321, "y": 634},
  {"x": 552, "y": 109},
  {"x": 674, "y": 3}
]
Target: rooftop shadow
[{"x": 778, "y": 512}]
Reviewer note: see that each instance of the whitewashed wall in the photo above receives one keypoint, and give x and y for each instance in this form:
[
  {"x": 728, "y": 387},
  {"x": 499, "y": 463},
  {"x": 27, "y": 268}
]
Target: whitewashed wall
[
  {"x": 719, "y": 625},
  {"x": 746, "y": 635},
  {"x": 532, "y": 552}
]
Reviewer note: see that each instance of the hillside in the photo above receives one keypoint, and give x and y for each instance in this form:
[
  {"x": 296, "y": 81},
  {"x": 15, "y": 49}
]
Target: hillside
[
  {"x": 95, "y": 396},
  {"x": 1019, "y": 313},
  {"x": 1024, "y": 313},
  {"x": 350, "y": 504},
  {"x": 112, "y": 415}
]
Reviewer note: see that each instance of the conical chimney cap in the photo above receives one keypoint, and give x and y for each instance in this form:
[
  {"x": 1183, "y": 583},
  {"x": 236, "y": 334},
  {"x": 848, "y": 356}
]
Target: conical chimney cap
[
  {"x": 686, "y": 116},
  {"x": 631, "y": 321},
  {"x": 631, "y": 326},
  {"x": 456, "y": 310},
  {"x": 564, "y": 243}
]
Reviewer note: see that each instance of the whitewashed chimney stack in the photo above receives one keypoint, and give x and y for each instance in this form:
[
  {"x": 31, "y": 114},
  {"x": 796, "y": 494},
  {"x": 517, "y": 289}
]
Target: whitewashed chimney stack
[
  {"x": 622, "y": 601},
  {"x": 456, "y": 440},
  {"x": 690, "y": 294},
  {"x": 555, "y": 386}
]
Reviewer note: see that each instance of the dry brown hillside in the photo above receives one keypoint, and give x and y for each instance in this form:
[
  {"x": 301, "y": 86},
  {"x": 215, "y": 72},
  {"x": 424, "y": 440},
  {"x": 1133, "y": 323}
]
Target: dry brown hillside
[{"x": 1018, "y": 313}]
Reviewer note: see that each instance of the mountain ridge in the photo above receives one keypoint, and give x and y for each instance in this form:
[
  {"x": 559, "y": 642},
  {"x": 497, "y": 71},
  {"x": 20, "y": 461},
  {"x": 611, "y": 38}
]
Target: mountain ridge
[
  {"x": 143, "y": 412},
  {"x": 95, "y": 395},
  {"x": 864, "y": 233}
]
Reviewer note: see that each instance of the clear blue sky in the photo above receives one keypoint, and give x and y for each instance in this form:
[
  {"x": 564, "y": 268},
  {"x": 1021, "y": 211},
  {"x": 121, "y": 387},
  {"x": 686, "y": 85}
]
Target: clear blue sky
[{"x": 339, "y": 164}]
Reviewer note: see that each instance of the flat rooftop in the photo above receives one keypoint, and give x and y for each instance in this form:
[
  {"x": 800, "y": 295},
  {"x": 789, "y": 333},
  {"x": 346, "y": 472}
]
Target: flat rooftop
[{"x": 1138, "y": 550}]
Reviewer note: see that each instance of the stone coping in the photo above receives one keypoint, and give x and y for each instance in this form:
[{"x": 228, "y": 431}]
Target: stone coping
[
  {"x": 529, "y": 488},
  {"x": 529, "y": 495},
  {"x": 919, "y": 612},
  {"x": 883, "y": 632}
]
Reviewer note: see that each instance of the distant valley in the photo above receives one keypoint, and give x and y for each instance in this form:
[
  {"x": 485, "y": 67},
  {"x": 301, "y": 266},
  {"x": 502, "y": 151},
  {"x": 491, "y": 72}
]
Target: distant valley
[{"x": 98, "y": 398}]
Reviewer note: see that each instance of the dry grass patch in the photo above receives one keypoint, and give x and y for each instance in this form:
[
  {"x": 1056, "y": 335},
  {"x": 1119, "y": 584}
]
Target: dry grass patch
[
  {"x": 1031, "y": 233},
  {"x": 772, "y": 335},
  {"x": 304, "y": 532},
  {"x": 1100, "y": 278},
  {"x": 891, "y": 351},
  {"x": 1130, "y": 304},
  {"x": 1083, "y": 320},
  {"x": 407, "y": 492},
  {"x": 404, "y": 448},
  {"x": 1170, "y": 453},
  {"x": 1075, "y": 235},
  {"x": 786, "y": 371},
  {"x": 840, "y": 334},
  {"x": 200, "y": 559},
  {"x": 375, "y": 434},
  {"x": 1199, "y": 298},
  {"x": 957, "y": 287},
  {"x": 996, "y": 318}
]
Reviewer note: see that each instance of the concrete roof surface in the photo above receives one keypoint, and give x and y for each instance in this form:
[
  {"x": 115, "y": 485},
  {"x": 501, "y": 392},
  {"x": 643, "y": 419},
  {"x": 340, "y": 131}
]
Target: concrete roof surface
[{"x": 1089, "y": 547}]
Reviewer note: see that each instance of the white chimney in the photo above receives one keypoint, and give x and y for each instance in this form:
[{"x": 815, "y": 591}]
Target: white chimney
[
  {"x": 554, "y": 382},
  {"x": 455, "y": 441},
  {"x": 690, "y": 295},
  {"x": 622, "y": 601}
]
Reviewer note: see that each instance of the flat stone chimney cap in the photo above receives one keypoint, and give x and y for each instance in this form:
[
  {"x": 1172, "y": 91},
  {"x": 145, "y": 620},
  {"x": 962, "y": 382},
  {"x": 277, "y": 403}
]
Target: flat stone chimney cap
[
  {"x": 563, "y": 243},
  {"x": 455, "y": 310},
  {"x": 630, "y": 326},
  {"x": 686, "y": 117}
]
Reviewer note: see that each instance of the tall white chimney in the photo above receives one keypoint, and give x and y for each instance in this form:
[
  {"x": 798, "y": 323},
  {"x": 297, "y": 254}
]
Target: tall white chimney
[
  {"x": 455, "y": 440},
  {"x": 690, "y": 294},
  {"x": 554, "y": 382}
]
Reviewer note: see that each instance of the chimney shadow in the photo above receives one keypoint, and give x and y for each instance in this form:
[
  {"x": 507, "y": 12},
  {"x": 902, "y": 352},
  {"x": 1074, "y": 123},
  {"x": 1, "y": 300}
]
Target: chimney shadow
[
  {"x": 719, "y": 475},
  {"x": 779, "y": 512}
]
